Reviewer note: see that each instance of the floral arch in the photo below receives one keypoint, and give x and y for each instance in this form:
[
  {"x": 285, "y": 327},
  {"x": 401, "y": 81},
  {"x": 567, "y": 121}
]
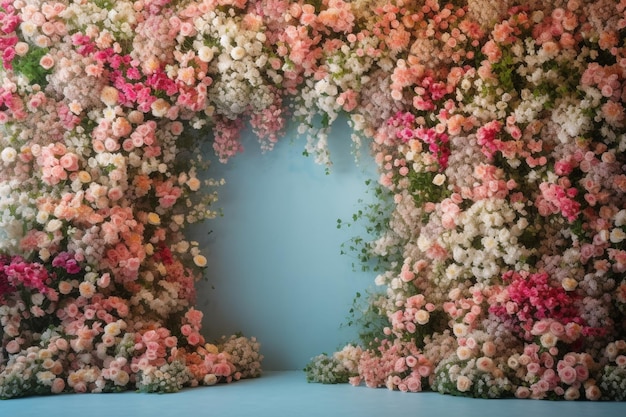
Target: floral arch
[{"x": 498, "y": 128}]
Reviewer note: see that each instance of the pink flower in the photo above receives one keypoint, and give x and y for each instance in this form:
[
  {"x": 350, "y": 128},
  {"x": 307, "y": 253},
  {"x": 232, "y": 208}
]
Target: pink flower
[
  {"x": 567, "y": 375},
  {"x": 12, "y": 347}
]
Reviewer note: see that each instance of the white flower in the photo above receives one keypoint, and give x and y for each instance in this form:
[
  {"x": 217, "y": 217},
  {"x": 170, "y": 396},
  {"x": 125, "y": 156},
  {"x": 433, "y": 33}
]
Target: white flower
[
  {"x": 42, "y": 217},
  {"x": 37, "y": 299},
  {"x": 548, "y": 340},
  {"x": 205, "y": 54},
  {"x": 210, "y": 379},
  {"x": 439, "y": 179},
  {"x": 237, "y": 53},
  {"x": 453, "y": 271},
  {"x": 422, "y": 316},
  {"x": 8, "y": 155},
  {"x": 617, "y": 235},
  {"x": 54, "y": 225},
  {"x": 182, "y": 246},
  {"x": 620, "y": 218}
]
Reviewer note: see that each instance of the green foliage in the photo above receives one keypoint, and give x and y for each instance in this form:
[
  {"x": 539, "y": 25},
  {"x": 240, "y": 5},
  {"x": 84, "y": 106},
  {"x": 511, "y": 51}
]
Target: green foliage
[
  {"x": 366, "y": 315},
  {"x": 506, "y": 71},
  {"x": 423, "y": 190},
  {"x": 28, "y": 65},
  {"x": 326, "y": 369},
  {"x": 374, "y": 217}
]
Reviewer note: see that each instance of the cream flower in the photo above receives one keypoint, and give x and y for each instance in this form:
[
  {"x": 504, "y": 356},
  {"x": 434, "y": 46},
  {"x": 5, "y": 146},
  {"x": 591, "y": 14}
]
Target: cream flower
[
  {"x": 200, "y": 261},
  {"x": 8, "y": 155},
  {"x": 463, "y": 383},
  {"x": 237, "y": 53},
  {"x": 205, "y": 54}
]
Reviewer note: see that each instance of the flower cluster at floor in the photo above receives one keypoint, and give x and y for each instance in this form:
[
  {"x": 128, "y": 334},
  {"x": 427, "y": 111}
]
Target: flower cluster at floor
[{"x": 499, "y": 130}]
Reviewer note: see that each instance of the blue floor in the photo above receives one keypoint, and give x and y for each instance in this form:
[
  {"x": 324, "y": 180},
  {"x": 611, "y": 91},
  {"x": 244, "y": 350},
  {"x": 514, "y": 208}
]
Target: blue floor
[{"x": 287, "y": 394}]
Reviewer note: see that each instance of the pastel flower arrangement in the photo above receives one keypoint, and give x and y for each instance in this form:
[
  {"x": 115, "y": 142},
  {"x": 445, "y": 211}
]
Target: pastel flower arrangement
[
  {"x": 503, "y": 256},
  {"x": 499, "y": 131}
]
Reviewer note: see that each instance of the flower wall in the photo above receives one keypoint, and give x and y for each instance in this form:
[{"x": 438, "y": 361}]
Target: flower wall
[{"x": 498, "y": 128}]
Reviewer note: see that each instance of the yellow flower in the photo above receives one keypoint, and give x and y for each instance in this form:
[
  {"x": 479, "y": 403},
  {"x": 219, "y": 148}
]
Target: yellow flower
[
  {"x": 154, "y": 219},
  {"x": 200, "y": 261},
  {"x": 211, "y": 348}
]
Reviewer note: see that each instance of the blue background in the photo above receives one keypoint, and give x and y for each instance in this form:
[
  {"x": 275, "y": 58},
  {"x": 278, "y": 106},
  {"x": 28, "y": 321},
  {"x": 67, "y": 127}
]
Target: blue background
[{"x": 275, "y": 269}]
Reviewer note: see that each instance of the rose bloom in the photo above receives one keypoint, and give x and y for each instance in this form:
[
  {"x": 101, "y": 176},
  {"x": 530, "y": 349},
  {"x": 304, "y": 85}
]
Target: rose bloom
[
  {"x": 463, "y": 383},
  {"x": 459, "y": 329},
  {"x": 222, "y": 369},
  {"x": 69, "y": 162},
  {"x": 522, "y": 392},
  {"x": 46, "y": 62},
  {"x": 593, "y": 393},
  {"x": 160, "y": 107},
  {"x": 205, "y": 54},
  {"x": 87, "y": 289},
  {"x": 414, "y": 384},
  {"x": 12, "y": 347},
  {"x": 567, "y": 375},
  {"x": 548, "y": 340},
  {"x": 8, "y": 154},
  {"x": 194, "y": 339},
  {"x": 463, "y": 352},
  {"x": 21, "y": 48},
  {"x": 58, "y": 385},
  {"x": 135, "y": 116},
  {"x": 489, "y": 348},
  {"x": 122, "y": 378},
  {"x": 513, "y": 363},
  {"x": 154, "y": 219},
  {"x": 422, "y": 316},
  {"x": 572, "y": 394},
  {"x": 533, "y": 368},
  {"x": 193, "y": 183},
  {"x": 194, "y": 316},
  {"x": 484, "y": 364}
]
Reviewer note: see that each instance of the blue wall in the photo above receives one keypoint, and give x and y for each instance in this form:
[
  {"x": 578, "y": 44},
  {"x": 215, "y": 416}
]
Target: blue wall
[{"x": 275, "y": 269}]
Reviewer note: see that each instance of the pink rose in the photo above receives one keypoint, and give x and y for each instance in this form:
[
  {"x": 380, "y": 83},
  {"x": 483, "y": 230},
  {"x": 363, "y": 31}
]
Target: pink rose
[
  {"x": 568, "y": 375},
  {"x": 222, "y": 369},
  {"x": 12, "y": 347}
]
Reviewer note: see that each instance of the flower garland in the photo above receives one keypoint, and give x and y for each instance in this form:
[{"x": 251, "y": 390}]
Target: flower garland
[{"x": 498, "y": 126}]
